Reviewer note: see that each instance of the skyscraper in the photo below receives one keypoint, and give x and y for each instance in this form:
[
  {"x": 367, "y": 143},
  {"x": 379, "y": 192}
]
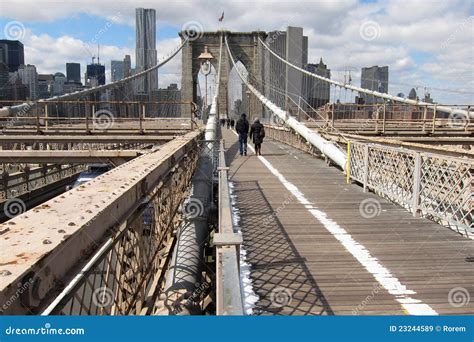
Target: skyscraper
[
  {"x": 172, "y": 93},
  {"x": 374, "y": 78},
  {"x": 293, "y": 46},
  {"x": 316, "y": 91},
  {"x": 29, "y": 77},
  {"x": 117, "y": 70},
  {"x": 95, "y": 75},
  {"x": 146, "y": 55},
  {"x": 12, "y": 54},
  {"x": 295, "y": 54},
  {"x": 127, "y": 66},
  {"x": 73, "y": 72},
  {"x": 45, "y": 85},
  {"x": 5, "y": 92}
]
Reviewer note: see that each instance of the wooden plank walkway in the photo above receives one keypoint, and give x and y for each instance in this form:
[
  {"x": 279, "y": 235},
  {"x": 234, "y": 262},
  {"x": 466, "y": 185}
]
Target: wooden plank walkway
[{"x": 302, "y": 264}]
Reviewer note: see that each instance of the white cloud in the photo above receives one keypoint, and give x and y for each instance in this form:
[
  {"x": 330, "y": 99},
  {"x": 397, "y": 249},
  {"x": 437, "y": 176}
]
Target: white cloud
[
  {"x": 439, "y": 31},
  {"x": 50, "y": 55}
]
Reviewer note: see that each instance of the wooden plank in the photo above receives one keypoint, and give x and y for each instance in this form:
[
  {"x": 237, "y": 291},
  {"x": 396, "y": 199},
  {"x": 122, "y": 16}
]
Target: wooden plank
[{"x": 296, "y": 261}]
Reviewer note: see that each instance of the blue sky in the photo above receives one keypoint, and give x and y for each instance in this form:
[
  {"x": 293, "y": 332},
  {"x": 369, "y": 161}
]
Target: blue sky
[{"x": 424, "y": 43}]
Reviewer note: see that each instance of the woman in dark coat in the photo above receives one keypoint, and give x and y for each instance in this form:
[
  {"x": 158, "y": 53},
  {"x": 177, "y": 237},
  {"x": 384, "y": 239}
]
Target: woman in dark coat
[{"x": 257, "y": 133}]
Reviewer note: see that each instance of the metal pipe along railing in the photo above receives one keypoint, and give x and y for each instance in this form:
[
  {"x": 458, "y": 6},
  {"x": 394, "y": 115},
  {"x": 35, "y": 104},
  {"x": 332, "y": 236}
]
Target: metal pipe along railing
[
  {"x": 326, "y": 147},
  {"x": 228, "y": 285},
  {"x": 445, "y": 109}
]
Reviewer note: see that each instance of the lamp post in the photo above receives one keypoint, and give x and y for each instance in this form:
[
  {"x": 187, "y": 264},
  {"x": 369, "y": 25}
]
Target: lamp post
[
  {"x": 205, "y": 58},
  {"x": 248, "y": 92}
]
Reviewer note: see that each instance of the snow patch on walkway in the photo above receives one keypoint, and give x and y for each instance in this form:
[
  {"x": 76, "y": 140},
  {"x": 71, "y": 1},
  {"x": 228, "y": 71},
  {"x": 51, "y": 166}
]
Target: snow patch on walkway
[{"x": 249, "y": 295}]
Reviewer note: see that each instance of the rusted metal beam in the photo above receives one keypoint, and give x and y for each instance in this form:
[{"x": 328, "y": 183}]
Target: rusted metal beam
[
  {"x": 67, "y": 157},
  {"x": 445, "y": 150},
  {"x": 30, "y": 139},
  {"x": 43, "y": 248}
]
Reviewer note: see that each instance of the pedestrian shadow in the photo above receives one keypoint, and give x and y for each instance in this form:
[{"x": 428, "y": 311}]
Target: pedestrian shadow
[{"x": 279, "y": 274}]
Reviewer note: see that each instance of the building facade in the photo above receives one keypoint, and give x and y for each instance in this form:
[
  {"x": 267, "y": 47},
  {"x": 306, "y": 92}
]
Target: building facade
[
  {"x": 127, "y": 66},
  {"x": 29, "y": 77},
  {"x": 117, "y": 70},
  {"x": 316, "y": 92},
  {"x": 73, "y": 72},
  {"x": 146, "y": 55},
  {"x": 45, "y": 86},
  {"x": 5, "y": 87},
  {"x": 373, "y": 78},
  {"x": 12, "y": 54},
  {"x": 95, "y": 74},
  {"x": 282, "y": 80},
  {"x": 167, "y": 108}
]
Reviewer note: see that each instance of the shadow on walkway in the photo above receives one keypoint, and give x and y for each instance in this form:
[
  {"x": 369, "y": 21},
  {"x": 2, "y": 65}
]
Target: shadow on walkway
[{"x": 279, "y": 274}]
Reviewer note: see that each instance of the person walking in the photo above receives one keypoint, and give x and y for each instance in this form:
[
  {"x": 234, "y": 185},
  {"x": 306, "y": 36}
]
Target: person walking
[
  {"x": 242, "y": 129},
  {"x": 228, "y": 123},
  {"x": 257, "y": 133},
  {"x": 232, "y": 123}
]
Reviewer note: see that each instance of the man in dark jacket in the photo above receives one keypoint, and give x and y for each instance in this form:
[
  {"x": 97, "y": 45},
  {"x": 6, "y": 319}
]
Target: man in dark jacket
[
  {"x": 257, "y": 133},
  {"x": 242, "y": 128}
]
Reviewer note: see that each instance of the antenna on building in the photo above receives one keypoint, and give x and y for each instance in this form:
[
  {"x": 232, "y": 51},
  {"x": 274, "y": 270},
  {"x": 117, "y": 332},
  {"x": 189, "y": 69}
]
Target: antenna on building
[{"x": 98, "y": 53}]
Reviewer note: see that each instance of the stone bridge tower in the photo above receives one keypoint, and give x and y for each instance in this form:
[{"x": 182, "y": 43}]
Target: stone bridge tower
[{"x": 245, "y": 48}]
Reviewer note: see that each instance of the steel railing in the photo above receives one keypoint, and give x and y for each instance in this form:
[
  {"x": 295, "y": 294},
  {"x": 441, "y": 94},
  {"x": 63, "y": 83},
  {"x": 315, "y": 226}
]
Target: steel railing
[
  {"x": 112, "y": 258},
  {"x": 437, "y": 186},
  {"x": 32, "y": 178},
  {"x": 228, "y": 285},
  {"x": 430, "y": 185}
]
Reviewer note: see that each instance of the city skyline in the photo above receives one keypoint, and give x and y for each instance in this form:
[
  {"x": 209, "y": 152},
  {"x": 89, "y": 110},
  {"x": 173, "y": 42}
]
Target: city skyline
[{"x": 417, "y": 60}]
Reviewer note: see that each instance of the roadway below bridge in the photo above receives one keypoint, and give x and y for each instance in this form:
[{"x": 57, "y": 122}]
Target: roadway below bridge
[{"x": 314, "y": 248}]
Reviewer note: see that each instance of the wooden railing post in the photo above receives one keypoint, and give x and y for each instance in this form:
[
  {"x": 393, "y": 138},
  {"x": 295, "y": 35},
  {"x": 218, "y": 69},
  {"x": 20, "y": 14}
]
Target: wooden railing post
[
  {"x": 425, "y": 113},
  {"x": 140, "y": 120},
  {"x": 46, "y": 117},
  {"x": 366, "y": 166},
  {"x": 416, "y": 184},
  {"x": 383, "y": 117},
  {"x": 93, "y": 117},
  {"x": 144, "y": 116}
]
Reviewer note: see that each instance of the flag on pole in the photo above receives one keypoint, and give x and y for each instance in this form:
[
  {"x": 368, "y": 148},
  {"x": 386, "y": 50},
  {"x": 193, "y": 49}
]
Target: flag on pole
[{"x": 222, "y": 16}]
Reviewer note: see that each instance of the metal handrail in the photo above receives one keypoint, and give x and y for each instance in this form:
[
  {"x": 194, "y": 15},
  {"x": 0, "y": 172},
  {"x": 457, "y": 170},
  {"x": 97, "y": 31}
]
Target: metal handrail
[{"x": 227, "y": 241}]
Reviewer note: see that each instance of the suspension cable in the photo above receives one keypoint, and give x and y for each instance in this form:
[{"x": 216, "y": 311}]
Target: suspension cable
[
  {"x": 327, "y": 148},
  {"x": 441, "y": 108},
  {"x": 116, "y": 83}
]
